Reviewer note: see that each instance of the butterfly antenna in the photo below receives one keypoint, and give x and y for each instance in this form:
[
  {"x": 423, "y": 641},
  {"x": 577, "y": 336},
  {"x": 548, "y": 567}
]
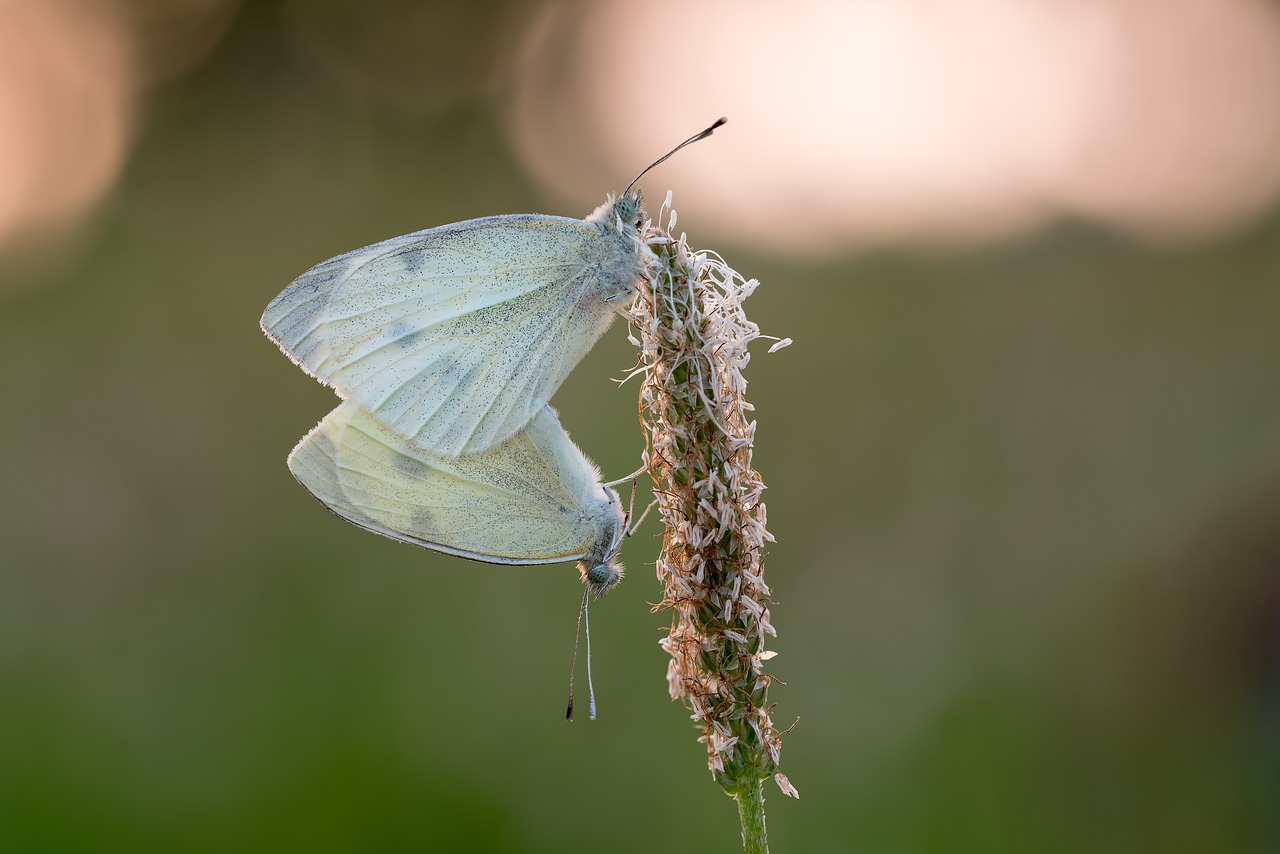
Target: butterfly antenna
[
  {"x": 591, "y": 689},
  {"x": 568, "y": 714},
  {"x": 690, "y": 141}
]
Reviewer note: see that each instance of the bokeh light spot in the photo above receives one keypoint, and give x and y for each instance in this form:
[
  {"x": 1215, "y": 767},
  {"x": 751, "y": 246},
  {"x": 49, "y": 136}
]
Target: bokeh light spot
[{"x": 938, "y": 121}]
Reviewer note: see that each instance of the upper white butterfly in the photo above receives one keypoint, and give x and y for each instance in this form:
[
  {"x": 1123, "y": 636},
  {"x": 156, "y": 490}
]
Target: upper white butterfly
[{"x": 456, "y": 336}]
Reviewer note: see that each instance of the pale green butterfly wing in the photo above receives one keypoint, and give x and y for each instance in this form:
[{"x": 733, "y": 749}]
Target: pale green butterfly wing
[
  {"x": 536, "y": 499},
  {"x": 456, "y": 336}
]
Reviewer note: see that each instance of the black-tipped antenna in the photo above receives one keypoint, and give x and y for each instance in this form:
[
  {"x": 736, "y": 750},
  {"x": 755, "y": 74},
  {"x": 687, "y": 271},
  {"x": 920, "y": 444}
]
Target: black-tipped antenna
[
  {"x": 577, "y": 635},
  {"x": 690, "y": 141}
]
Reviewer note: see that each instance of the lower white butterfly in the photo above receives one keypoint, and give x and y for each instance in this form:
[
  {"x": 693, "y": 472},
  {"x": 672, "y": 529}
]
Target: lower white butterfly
[
  {"x": 455, "y": 337},
  {"x": 536, "y": 499}
]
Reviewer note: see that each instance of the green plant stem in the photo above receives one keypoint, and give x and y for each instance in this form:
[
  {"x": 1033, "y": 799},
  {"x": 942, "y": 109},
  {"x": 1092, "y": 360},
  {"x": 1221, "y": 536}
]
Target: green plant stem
[{"x": 751, "y": 817}]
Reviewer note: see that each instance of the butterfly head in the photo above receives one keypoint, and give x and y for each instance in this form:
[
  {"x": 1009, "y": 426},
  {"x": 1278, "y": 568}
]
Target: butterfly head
[
  {"x": 629, "y": 209},
  {"x": 620, "y": 214},
  {"x": 600, "y": 568},
  {"x": 602, "y": 577}
]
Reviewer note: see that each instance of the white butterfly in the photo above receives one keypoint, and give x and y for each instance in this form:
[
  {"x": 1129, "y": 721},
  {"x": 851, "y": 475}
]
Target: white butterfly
[
  {"x": 446, "y": 345},
  {"x": 455, "y": 337},
  {"x": 536, "y": 499}
]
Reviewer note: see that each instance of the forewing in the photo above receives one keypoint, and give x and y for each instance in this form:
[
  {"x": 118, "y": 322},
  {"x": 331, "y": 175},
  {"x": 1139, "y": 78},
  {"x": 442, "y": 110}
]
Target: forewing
[
  {"x": 510, "y": 505},
  {"x": 456, "y": 336}
]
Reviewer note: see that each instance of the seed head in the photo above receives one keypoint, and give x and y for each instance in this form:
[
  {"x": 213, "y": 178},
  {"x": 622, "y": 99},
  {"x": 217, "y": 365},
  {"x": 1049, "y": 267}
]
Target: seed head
[{"x": 694, "y": 336}]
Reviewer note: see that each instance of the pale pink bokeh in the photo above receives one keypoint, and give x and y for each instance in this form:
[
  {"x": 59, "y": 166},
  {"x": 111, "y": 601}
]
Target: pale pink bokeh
[
  {"x": 72, "y": 76},
  {"x": 934, "y": 121},
  {"x": 66, "y": 95}
]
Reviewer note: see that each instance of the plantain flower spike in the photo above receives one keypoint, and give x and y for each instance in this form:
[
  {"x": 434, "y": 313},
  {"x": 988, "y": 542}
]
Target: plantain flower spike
[{"x": 693, "y": 335}]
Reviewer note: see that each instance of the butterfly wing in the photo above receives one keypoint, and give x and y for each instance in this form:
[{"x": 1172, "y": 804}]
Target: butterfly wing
[
  {"x": 456, "y": 336},
  {"x": 531, "y": 501}
]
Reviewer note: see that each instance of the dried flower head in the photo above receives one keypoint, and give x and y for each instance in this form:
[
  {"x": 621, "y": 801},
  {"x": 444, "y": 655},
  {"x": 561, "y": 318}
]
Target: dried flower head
[{"x": 694, "y": 337}]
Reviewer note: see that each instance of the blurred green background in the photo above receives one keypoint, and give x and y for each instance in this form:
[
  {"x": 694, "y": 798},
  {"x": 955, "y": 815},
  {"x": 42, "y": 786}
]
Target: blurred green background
[{"x": 1025, "y": 493}]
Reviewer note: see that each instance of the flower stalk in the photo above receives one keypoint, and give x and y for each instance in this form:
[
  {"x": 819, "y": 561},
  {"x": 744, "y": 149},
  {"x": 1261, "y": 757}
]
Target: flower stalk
[{"x": 694, "y": 337}]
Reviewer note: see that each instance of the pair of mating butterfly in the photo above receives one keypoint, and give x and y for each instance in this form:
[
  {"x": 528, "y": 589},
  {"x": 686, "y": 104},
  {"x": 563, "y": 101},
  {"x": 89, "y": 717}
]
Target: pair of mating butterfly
[{"x": 446, "y": 345}]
